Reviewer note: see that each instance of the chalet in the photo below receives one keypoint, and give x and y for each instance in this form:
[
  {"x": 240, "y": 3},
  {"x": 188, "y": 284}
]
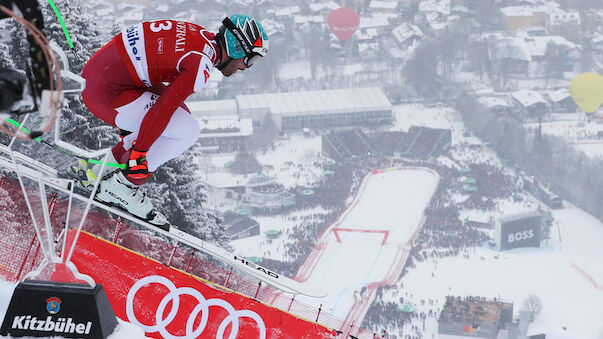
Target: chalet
[
  {"x": 538, "y": 45},
  {"x": 381, "y": 5},
  {"x": 518, "y": 17},
  {"x": 530, "y": 102},
  {"x": 407, "y": 35},
  {"x": 495, "y": 104},
  {"x": 563, "y": 23},
  {"x": 508, "y": 54},
  {"x": 562, "y": 102}
]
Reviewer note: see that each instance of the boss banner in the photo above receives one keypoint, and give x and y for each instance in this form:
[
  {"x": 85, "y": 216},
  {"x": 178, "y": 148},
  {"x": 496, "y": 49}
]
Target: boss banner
[
  {"x": 168, "y": 303},
  {"x": 522, "y": 230}
]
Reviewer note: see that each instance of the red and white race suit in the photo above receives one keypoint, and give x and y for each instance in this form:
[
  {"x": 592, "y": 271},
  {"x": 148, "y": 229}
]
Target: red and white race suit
[{"x": 126, "y": 85}]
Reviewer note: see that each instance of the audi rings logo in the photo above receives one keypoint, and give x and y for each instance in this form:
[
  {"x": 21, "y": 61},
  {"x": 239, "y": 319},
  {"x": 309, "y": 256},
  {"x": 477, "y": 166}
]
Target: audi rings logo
[{"x": 203, "y": 308}]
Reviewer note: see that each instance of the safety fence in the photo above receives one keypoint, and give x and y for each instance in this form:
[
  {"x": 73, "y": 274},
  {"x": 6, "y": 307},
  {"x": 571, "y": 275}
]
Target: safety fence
[{"x": 20, "y": 253}]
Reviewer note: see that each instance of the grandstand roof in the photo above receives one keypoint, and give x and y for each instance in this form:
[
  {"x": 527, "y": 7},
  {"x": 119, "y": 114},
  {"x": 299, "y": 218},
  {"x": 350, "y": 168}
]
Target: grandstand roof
[
  {"x": 229, "y": 126},
  {"x": 316, "y": 102}
]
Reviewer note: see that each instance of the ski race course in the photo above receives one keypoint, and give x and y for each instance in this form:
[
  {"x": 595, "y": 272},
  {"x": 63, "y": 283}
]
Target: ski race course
[{"x": 387, "y": 200}]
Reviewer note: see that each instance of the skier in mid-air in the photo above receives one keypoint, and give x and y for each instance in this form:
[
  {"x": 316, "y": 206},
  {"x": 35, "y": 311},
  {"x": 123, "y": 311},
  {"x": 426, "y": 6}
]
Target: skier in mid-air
[{"x": 125, "y": 87}]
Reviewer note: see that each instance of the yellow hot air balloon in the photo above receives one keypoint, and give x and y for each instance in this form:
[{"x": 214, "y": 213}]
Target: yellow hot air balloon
[{"x": 587, "y": 91}]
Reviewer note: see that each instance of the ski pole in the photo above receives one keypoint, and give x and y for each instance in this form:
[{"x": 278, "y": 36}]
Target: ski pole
[{"x": 39, "y": 139}]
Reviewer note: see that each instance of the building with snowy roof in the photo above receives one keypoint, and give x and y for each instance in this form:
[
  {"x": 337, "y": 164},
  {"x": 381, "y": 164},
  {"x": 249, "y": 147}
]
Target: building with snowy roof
[
  {"x": 562, "y": 101},
  {"x": 538, "y": 45},
  {"x": 407, "y": 34},
  {"x": 474, "y": 317},
  {"x": 495, "y": 104},
  {"x": 439, "y": 6},
  {"x": 318, "y": 109},
  {"x": 530, "y": 102},
  {"x": 383, "y": 5},
  {"x": 563, "y": 22},
  {"x": 378, "y": 23},
  {"x": 518, "y": 17},
  {"x": 224, "y": 133},
  {"x": 508, "y": 54}
]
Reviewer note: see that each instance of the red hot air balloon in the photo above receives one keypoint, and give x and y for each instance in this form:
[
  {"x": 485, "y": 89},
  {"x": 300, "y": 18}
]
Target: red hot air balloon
[{"x": 343, "y": 22}]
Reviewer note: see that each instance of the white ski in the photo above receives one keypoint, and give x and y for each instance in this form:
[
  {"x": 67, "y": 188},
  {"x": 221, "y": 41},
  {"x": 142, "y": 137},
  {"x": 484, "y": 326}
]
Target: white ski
[{"x": 273, "y": 278}]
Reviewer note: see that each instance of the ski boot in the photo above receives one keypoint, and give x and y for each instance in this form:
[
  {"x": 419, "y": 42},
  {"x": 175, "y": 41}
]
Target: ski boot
[
  {"x": 86, "y": 176},
  {"x": 115, "y": 190}
]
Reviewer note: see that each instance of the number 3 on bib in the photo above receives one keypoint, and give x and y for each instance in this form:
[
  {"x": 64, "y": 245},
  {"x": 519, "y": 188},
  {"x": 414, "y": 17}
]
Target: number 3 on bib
[{"x": 158, "y": 26}]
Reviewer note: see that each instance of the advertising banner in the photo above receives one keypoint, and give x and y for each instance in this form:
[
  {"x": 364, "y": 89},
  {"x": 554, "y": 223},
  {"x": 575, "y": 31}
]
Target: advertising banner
[
  {"x": 168, "y": 303},
  {"x": 519, "y": 231}
]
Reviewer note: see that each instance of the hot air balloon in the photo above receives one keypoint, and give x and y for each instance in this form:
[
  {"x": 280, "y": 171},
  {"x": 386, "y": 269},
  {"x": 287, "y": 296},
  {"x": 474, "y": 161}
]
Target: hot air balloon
[
  {"x": 343, "y": 22},
  {"x": 587, "y": 91}
]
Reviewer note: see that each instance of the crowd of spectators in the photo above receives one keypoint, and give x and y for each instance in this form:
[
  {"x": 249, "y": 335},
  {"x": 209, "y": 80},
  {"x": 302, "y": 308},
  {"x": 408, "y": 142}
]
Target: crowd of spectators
[{"x": 443, "y": 233}]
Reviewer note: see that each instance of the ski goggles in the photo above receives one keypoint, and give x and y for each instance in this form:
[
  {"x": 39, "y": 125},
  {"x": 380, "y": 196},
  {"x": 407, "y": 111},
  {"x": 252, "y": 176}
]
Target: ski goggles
[
  {"x": 251, "y": 56},
  {"x": 250, "y": 60}
]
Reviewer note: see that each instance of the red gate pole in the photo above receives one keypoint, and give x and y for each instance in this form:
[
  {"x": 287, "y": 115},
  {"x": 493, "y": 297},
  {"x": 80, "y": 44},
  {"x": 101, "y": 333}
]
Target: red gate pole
[
  {"x": 318, "y": 315},
  {"x": 190, "y": 260},
  {"x": 228, "y": 278},
  {"x": 117, "y": 230},
  {"x": 26, "y": 256},
  {"x": 33, "y": 261},
  {"x": 291, "y": 303},
  {"x": 172, "y": 256},
  {"x": 257, "y": 291}
]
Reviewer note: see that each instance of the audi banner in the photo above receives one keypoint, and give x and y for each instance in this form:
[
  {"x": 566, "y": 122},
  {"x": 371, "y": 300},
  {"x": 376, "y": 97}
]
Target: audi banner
[
  {"x": 169, "y": 303},
  {"x": 520, "y": 230}
]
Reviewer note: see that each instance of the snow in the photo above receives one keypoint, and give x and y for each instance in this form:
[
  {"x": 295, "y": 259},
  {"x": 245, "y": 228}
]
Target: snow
[
  {"x": 212, "y": 107},
  {"x": 301, "y": 150},
  {"x": 493, "y": 102},
  {"x": 439, "y": 6},
  {"x": 295, "y": 69},
  {"x": 435, "y": 117},
  {"x": 538, "y": 44},
  {"x": 261, "y": 246},
  {"x": 406, "y": 31},
  {"x": 393, "y": 201},
  {"x": 569, "y": 298},
  {"x": 331, "y": 5},
  {"x": 6, "y": 291},
  {"x": 526, "y": 11},
  {"x": 388, "y": 5},
  {"x": 370, "y": 22},
  {"x": 210, "y": 124},
  {"x": 528, "y": 97},
  {"x": 560, "y": 94},
  {"x": 576, "y": 132}
]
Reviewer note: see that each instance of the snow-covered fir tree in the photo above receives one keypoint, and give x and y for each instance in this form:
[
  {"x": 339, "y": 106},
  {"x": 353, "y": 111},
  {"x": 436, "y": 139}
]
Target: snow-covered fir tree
[
  {"x": 180, "y": 194},
  {"x": 175, "y": 188}
]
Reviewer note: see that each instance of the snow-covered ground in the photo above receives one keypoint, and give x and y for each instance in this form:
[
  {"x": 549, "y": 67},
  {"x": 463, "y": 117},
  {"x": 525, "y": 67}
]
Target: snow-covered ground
[
  {"x": 566, "y": 274},
  {"x": 292, "y": 161},
  {"x": 262, "y": 246},
  {"x": 574, "y": 130},
  {"x": 393, "y": 201}
]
